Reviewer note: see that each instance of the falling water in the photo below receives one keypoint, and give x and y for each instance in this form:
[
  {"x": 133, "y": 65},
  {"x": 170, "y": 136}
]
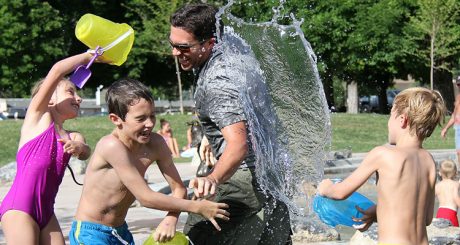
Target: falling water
[{"x": 284, "y": 103}]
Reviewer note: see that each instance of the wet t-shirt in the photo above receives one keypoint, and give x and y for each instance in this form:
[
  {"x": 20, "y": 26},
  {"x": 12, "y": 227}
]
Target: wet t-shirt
[{"x": 218, "y": 102}]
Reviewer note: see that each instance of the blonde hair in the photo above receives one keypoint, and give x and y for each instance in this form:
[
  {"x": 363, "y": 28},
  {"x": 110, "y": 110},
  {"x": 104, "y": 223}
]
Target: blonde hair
[
  {"x": 448, "y": 169},
  {"x": 424, "y": 108},
  {"x": 38, "y": 85}
]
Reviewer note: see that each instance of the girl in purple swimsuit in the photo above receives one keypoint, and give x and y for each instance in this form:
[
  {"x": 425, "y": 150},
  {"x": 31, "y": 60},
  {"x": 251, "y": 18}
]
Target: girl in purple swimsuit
[{"x": 45, "y": 147}]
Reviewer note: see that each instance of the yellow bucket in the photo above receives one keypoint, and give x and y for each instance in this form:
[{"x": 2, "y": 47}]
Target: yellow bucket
[
  {"x": 178, "y": 239},
  {"x": 115, "y": 39}
]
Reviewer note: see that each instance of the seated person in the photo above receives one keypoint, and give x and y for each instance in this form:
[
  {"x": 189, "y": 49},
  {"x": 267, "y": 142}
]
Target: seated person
[
  {"x": 167, "y": 134},
  {"x": 194, "y": 136}
]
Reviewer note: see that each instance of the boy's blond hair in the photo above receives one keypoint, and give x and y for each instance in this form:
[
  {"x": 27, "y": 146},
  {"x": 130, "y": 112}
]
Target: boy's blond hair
[
  {"x": 424, "y": 108},
  {"x": 448, "y": 169}
]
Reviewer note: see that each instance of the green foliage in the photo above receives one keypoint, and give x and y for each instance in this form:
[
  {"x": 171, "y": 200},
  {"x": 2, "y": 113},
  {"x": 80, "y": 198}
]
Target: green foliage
[
  {"x": 151, "y": 60},
  {"x": 370, "y": 42},
  {"x": 28, "y": 45},
  {"x": 340, "y": 94},
  {"x": 254, "y": 11},
  {"x": 436, "y": 21}
]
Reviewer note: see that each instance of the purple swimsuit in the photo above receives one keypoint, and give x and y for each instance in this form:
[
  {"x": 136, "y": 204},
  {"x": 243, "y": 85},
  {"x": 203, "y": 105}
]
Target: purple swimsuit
[{"x": 41, "y": 164}]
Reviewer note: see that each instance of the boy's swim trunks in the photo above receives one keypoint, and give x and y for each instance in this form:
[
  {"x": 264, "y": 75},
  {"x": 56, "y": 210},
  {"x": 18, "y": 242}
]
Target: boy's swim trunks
[
  {"x": 84, "y": 232},
  {"x": 449, "y": 214}
]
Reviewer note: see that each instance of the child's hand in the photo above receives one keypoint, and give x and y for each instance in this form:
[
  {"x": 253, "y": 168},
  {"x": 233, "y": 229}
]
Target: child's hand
[
  {"x": 72, "y": 146},
  {"x": 323, "y": 186},
  {"x": 369, "y": 217},
  {"x": 211, "y": 210},
  {"x": 165, "y": 230}
]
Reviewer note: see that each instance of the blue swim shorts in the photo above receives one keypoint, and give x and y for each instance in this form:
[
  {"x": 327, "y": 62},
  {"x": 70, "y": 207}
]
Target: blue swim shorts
[{"x": 83, "y": 232}]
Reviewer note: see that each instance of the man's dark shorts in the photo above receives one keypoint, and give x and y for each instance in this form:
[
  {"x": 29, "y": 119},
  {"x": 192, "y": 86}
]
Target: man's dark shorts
[{"x": 254, "y": 217}]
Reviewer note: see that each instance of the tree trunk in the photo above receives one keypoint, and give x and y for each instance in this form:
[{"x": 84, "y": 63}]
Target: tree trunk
[
  {"x": 352, "y": 98},
  {"x": 443, "y": 84},
  {"x": 181, "y": 108},
  {"x": 432, "y": 40},
  {"x": 384, "y": 107},
  {"x": 329, "y": 91}
]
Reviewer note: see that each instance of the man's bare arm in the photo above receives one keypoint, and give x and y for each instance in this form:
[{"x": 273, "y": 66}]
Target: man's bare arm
[{"x": 235, "y": 151}]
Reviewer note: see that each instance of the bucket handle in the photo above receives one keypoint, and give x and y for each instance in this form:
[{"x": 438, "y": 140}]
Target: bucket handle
[
  {"x": 97, "y": 52},
  {"x": 112, "y": 44}
]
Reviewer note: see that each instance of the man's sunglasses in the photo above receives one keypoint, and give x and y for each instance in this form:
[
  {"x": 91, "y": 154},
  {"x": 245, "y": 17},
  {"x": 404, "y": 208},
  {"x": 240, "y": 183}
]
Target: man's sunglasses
[{"x": 184, "y": 48}]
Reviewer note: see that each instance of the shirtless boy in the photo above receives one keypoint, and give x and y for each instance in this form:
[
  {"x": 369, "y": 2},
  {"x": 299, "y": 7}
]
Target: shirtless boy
[
  {"x": 447, "y": 192},
  {"x": 114, "y": 177},
  {"x": 406, "y": 172}
]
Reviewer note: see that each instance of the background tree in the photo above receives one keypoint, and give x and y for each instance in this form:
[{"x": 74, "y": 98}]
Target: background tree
[
  {"x": 435, "y": 32},
  {"x": 327, "y": 25},
  {"x": 433, "y": 36},
  {"x": 376, "y": 46},
  {"x": 27, "y": 44}
]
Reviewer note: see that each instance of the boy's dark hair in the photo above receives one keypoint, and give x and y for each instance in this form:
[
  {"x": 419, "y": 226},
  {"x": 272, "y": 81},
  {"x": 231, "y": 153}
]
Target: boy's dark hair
[
  {"x": 124, "y": 93},
  {"x": 199, "y": 19}
]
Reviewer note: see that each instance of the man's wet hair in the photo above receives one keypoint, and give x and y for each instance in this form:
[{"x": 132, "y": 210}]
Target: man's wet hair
[
  {"x": 124, "y": 93},
  {"x": 199, "y": 19}
]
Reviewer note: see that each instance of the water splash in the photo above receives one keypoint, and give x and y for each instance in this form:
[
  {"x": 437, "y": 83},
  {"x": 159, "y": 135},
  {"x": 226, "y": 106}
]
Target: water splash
[{"x": 284, "y": 103}]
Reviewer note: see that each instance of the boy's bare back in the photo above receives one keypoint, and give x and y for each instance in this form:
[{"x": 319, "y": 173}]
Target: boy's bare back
[
  {"x": 105, "y": 199},
  {"x": 447, "y": 193},
  {"x": 406, "y": 172},
  {"x": 405, "y": 194}
]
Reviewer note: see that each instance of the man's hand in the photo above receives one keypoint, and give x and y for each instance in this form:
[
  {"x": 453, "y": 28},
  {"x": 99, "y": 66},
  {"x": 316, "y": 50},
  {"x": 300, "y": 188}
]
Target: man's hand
[
  {"x": 206, "y": 152},
  {"x": 443, "y": 133},
  {"x": 203, "y": 187},
  {"x": 369, "y": 217},
  {"x": 165, "y": 230}
]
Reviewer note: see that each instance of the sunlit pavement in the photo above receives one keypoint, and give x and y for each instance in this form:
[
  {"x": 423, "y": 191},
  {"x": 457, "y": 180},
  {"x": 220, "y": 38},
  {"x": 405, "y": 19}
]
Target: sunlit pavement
[{"x": 142, "y": 220}]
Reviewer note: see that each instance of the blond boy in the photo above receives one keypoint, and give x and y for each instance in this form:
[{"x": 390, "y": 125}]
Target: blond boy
[
  {"x": 447, "y": 192},
  {"x": 114, "y": 177},
  {"x": 406, "y": 172}
]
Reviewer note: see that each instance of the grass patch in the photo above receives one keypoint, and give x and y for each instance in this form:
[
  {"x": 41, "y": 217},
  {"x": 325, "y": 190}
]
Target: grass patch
[
  {"x": 362, "y": 132},
  {"x": 359, "y": 132}
]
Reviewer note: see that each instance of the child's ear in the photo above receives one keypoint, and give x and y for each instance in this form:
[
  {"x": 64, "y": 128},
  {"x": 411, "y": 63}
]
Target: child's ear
[
  {"x": 403, "y": 120},
  {"x": 115, "y": 119}
]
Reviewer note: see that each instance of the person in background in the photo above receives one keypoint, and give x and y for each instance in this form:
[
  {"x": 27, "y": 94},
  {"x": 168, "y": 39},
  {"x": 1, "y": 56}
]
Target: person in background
[
  {"x": 447, "y": 192},
  {"x": 454, "y": 121},
  {"x": 167, "y": 134}
]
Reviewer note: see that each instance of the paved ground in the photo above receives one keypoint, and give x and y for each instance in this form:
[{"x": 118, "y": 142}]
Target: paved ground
[{"x": 142, "y": 220}]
